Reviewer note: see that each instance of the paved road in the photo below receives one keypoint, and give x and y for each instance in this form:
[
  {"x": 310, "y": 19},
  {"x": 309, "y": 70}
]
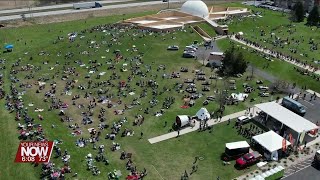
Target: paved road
[
  {"x": 312, "y": 108},
  {"x": 60, "y": 6},
  {"x": 307, "y": 173},
  {"x": 69, "y": 11}
]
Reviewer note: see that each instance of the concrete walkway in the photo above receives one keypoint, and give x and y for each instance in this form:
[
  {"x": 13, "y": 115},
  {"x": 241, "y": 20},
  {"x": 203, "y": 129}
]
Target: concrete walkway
[
  {"x": 267, "y": 51},
  {"x": 211, "y": 122},
  {"x": 312, "y": 92}
]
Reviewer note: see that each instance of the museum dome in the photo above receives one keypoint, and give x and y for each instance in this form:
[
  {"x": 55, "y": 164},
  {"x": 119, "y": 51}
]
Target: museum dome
[{"x": 195, "y": 8}]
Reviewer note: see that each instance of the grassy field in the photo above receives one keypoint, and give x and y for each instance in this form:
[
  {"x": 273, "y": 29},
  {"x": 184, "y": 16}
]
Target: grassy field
[
  {"x": 280, "y": 69},
  {"x": 165, "y": 160},
  {"x": 208, "y": 29},
  {"x": 286, "y": 35}
]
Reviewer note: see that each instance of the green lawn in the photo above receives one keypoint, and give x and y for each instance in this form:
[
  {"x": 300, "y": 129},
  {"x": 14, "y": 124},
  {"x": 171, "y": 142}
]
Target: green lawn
[
  {"x": 278, "y": 23},
  {"x": 170, "y": 158},
  {"x": 280, "y": 69},
  {"x": 208, "y": 29}
]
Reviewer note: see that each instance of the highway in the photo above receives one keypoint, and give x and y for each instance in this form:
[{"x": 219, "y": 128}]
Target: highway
[
  {"x": 45, "y": 8},
  {"x": 69, "y": 11}
]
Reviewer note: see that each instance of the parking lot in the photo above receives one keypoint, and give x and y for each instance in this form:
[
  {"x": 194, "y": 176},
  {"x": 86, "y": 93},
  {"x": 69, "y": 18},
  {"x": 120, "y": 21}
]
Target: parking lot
[
  {"x": 308, "y": 173},
  {"x": 312, "y": 108}
]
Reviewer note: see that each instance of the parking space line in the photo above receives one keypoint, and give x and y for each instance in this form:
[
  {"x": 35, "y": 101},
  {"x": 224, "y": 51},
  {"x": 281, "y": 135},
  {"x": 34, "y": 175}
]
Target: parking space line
[{"x": 308, "y": 102}]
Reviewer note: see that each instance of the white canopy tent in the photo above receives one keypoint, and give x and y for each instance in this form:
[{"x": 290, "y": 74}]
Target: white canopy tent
[
  {"x": 203, "y": 114},
  {"x": 270, "y": 141},
  {"x": 238, "y": 144},
  {"x": 287, "y": 117}
]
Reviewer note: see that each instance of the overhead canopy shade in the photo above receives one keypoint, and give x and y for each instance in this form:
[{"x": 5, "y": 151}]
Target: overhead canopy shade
[
  {"x": 270, "y": 140},
  {"x": 236, "y": 145},
  {"x": 287, "y": 117}
]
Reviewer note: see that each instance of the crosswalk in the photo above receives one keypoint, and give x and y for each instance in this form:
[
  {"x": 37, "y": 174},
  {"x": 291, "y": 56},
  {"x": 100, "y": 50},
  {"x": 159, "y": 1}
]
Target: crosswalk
[{"x": 298, "y": 167}]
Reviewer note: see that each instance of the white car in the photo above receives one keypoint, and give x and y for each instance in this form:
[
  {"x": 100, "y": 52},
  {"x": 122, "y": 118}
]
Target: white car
[
  {"x": 243, "y": 119},
  {"x": 263, "y": 88}
]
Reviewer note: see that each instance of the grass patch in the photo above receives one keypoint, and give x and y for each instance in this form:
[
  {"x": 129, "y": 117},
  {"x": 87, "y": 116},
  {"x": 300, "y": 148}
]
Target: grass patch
[
  {"x": 208, "y": 29},
  {"x": 280, "y": 69},
  {"x": 169, "y": 158}
]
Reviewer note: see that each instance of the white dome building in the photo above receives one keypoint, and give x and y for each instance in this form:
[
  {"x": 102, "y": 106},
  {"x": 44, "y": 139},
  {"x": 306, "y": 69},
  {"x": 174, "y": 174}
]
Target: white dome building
[{"x": 195, "y": 8}]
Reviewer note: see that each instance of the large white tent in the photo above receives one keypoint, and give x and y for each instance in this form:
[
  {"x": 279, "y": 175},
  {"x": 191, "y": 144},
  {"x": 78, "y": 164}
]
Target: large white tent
[
  {"x": 287, "y": 117},
  {"x": 203, "y": 114},
  {"x": 270, "y": 141}
]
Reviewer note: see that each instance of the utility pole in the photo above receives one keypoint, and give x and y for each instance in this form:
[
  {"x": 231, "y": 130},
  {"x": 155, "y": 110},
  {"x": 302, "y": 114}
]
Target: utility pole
[{"x": 168, "y": 4}]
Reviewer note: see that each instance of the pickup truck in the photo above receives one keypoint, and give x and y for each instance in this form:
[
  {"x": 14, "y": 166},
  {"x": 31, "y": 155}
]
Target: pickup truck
[{"x": 248, "y": 159}]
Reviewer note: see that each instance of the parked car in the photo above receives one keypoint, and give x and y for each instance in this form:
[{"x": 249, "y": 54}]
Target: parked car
[
  {"x": 248, "y": 89},
  {"x": 248, "y": 159},
  {"x": 232, "y": 87},
  {"x": 264, "y": 94},
  {"x": 259, "y": 82},
  {"x": 188, "y": 54},
  {"x": 243, "y": 119},
  {"x": 190, "y": 49},
  {"x": 173, "y": 48},
  {"x": 235, "y": 150},
  {"x": 263, "y": 88},
  {"x": 192, "y": 46}
]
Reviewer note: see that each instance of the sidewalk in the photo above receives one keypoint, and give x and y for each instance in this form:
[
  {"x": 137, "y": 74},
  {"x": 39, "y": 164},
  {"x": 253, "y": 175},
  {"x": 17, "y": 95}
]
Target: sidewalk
[
  {"x": 312, "y": 92},
  {"x": 211, "y": 122},
  {"x": 267, "y": 51}
]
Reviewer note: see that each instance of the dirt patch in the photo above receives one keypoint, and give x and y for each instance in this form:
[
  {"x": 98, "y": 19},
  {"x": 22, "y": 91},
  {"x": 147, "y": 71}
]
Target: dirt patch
[{"x": 12, "y": 4}]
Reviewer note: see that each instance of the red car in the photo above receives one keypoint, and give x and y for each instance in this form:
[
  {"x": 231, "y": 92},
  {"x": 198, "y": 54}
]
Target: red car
[{"x": 248, "y": 159}]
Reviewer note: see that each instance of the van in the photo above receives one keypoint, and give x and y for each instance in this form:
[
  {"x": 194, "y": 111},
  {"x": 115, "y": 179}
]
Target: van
[{"x": 294, "y": 106}]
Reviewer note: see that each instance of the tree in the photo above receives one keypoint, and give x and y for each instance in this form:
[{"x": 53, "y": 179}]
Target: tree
[
  {"x": 298, "y": 12},
  {"x": 233, "y": 63},
  {"x": 280, "y": 86},
  {"x": 313, "y": 18}
]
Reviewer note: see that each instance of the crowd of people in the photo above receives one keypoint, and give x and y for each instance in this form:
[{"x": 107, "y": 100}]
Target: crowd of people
[
  {"x": 282, "y": 42},
  {"x": 93, "y": 99}
]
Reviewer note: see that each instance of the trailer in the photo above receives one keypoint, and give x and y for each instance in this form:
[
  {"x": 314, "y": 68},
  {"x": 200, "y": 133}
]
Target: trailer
[
  {"x": 86, "y": 5},
  {"x": 235, "y": 150}
]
